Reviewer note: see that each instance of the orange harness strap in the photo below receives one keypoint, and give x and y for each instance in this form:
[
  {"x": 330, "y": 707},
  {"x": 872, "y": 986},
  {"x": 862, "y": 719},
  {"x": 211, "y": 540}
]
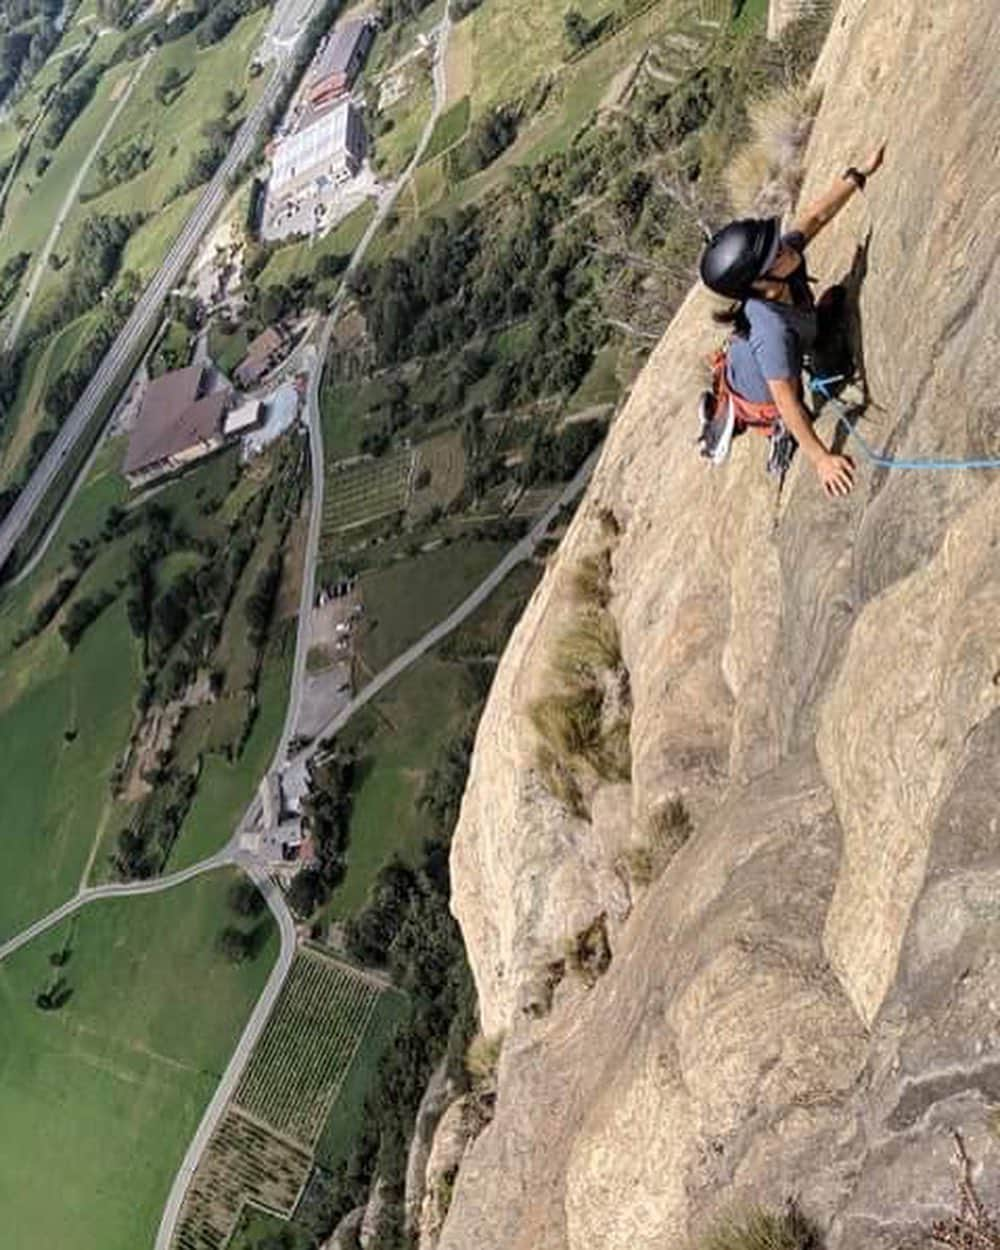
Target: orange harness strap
[{"x": 759, "y": 417}]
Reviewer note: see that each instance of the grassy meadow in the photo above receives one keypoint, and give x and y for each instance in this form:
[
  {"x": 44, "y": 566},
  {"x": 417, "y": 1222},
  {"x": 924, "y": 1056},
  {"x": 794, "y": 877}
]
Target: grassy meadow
[{"x": 99, "y": 1099}]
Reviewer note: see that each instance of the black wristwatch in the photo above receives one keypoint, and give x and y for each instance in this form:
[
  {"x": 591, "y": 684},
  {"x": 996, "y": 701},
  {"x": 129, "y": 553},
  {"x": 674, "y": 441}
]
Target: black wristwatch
[{"x": 856, "y": 176}]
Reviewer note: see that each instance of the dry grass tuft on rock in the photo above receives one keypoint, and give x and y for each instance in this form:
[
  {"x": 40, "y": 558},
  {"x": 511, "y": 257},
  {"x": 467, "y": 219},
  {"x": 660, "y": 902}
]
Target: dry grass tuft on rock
[
  {"x": 560, "y": 781},
  {"x": 592, "y": 579},
  {"x": 589, "y": 648},
  {"x": 668, "y": 828},
  {"x": 765, "y": 176},
  {"x": 759, "y": 1229},
  {"x": 482, "y": 1058},
  {"x": 588, "y": 954},
  {"x": 582, "y": 721}
]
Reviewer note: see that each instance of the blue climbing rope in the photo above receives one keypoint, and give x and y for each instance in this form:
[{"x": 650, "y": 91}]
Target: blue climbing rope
[{"x": 820, "y": 385}]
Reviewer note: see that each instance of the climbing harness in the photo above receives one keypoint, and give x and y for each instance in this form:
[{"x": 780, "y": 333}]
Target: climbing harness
[
  {"x": 724, "y": 415},
  {"x": 820, "y": 387}
]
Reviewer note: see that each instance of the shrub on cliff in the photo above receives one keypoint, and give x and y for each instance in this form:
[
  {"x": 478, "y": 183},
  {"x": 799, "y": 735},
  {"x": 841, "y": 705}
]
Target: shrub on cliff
[{"x": 759, "y": 1229}]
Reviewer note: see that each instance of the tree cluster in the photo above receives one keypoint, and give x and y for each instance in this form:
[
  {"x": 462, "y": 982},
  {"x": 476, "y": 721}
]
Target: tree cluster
[
  {"x": 259, "y": 607},
  {"x": 11, "y": 273},
  {"x": 82, "y": 614},
  {"x": 68, "y": 103},
  {"x": 217, "y": 133},
  {"x": 28, "y": 34},
  {"x": 488, "y": 137},
  {"x": 556, "y": 456},
  {"x": 126, "y": 162},
  {"x": 221, "y": 17},
  {"x": 142, "y": 849},
  {"x": 328, "y": 811}
]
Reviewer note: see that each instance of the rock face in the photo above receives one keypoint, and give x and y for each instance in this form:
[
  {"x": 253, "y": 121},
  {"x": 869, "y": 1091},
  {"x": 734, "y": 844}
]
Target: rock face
[{"x": 806, "y": 1000}]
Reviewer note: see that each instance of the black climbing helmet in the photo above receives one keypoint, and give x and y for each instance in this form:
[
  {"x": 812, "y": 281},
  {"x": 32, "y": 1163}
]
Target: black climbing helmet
[{"x": 739, "y": 253}]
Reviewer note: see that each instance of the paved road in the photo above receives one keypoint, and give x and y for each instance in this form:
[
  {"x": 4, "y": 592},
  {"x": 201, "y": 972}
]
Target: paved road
[
  {"x": 240, "y": 1057},
  {"x": 67, "y": 206},
  {"x": 146, "y": 308},
  {"x": 125, "y": 889},
  {"x": 313, "y": 422},
  {"x": 520, "y": 552}
]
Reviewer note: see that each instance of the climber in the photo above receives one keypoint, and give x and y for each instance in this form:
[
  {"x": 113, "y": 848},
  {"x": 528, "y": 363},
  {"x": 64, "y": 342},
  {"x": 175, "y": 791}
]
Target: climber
[{"x": 775, "y": 322}]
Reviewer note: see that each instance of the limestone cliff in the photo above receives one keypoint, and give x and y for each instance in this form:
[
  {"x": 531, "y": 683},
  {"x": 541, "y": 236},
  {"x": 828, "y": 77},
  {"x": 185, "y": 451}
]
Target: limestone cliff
[{"x": 807, "y": 997}]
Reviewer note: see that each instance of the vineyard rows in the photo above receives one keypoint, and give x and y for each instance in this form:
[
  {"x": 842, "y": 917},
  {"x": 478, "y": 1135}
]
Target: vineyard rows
[
  {"x": 300, "y": 1062},
  {"x": 244, "y": 1162},
  {"x": 367, "y": 490}
]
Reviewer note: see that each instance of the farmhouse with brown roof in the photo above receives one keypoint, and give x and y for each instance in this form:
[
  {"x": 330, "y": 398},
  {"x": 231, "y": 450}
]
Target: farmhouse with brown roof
[
  {"x": 178, "y": 423},
  {"x": 261, "y": 355}
]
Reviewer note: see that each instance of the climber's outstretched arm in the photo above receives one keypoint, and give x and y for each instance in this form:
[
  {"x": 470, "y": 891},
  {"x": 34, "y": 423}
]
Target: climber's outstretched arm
[{"x": 814, "y": 216}]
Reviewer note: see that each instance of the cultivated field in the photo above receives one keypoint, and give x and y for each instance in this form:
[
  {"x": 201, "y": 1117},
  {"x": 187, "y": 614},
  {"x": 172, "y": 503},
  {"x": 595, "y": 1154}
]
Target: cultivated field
[
  {"x": 439, "y": 472},
  {"x": 359, "y": 493},
  {"x": 306, "y": 1049},
  {"x": 244, "y": 1162}
]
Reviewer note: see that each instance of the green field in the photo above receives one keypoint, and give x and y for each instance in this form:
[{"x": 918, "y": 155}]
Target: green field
[
  {"x": 72, "y": 711},
  {"x": 227, "y": 350},
  {"x": 448, "y": 129},
  {"x": 406, "y": 120},
  {"x": 343, "y": 406},
  {"x": 102, "y": 1096},
  {"x": 34, "y": 202},
  {"x": 225, "y": 789},
  {"x": 343, "y": 1124},
  {"x": 292, "y": 259},
  {"x": 401, "y": 734},
  {"x": 601, "y": 385},
  {"x": 400, "y": 740},
  {"x": 173, "y": 130},
  {"x": 402, "y": 601},
  {"x": 27, "y": 416},
  {"x": 104, "y": 488},
  {"x": 257, "y": 1230}
]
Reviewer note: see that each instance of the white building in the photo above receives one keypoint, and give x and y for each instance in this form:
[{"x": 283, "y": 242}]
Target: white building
[
  {"x": 326, "y": 152},
  {"x": 247, "y": 417}
]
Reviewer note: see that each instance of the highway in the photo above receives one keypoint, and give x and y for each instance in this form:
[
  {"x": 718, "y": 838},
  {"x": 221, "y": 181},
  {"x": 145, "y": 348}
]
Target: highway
[{"x": 140, "y": 321}]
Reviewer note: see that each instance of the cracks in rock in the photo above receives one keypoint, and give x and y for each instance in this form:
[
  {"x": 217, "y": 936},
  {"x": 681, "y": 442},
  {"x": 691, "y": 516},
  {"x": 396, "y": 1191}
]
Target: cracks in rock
[{"x": 921, "y": 1096}]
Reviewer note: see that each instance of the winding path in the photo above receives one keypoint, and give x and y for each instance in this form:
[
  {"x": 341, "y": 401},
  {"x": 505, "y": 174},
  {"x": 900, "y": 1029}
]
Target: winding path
[{"x": 125, "y": 889}]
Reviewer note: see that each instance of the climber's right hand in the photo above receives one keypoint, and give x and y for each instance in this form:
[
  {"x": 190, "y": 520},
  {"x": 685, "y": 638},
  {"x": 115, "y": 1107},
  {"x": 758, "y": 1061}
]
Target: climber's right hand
[{"x": 836, "y": 473}]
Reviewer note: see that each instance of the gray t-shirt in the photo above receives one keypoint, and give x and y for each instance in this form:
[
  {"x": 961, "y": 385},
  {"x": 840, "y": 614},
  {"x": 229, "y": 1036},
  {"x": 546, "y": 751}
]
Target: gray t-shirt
[{"x": 779, "y": 335}]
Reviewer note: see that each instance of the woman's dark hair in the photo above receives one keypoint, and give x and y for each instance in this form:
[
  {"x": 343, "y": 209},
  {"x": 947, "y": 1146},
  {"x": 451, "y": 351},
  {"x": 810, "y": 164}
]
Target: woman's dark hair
[{"x": 735, "y": 316}]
